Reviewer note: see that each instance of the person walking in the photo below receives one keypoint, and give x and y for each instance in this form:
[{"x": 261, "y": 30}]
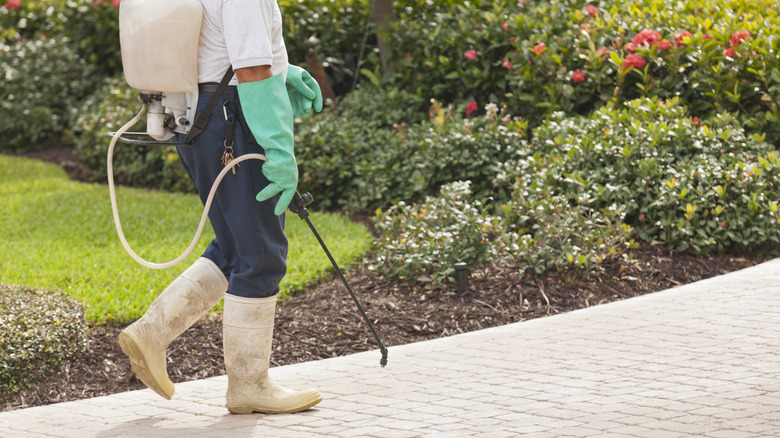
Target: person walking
[{"x": 247, "y": 259}]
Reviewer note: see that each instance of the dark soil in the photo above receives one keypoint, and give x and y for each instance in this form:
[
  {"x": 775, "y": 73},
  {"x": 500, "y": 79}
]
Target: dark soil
[{"x": 324, "y": 321}]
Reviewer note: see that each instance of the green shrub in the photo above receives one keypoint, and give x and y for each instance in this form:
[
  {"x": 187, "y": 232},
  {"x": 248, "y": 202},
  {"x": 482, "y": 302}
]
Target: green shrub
[
  {"x": 38, "y": 330},
  {"x": 111, "y": 106},
  {"x": 44, "y": 79},
  {"x": 542, "y": 57},
  {"x": 586, "y": 187},
  {"x": 429, "y": 47},
  {"x": 563, "y": 238},
  {"x": 92, "y": 27},
  {"x": 333, "y": 30},
  {"x": 31, "y": 19},
  {"x": 422, "y": 242},
  {"x": 333, "y": 147},
  {"x": 691, "y": 184},
  {"x": 339, "y": 32},
  {"x": 374, "y": 150}
]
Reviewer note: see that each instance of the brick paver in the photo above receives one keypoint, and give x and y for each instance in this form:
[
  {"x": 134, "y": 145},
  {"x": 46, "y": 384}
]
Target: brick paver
[{"x": 699, "y": 360}]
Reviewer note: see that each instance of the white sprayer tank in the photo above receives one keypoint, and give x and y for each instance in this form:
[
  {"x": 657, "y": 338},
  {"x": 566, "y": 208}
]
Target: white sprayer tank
[{"x": 159, "y": 42}]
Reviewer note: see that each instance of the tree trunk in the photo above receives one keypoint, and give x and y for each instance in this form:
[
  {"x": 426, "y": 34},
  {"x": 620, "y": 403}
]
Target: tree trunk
[
  {"x": 318, "y": 72},
  {"x": 383, "y": 14}
]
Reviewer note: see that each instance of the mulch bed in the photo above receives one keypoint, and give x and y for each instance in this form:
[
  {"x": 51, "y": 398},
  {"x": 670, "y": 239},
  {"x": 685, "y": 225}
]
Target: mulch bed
[{"x": 324, "y": 321}]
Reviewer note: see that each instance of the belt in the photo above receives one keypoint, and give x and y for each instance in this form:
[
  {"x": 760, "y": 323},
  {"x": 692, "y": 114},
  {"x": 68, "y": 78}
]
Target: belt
[{"x": 210, "y": 87}]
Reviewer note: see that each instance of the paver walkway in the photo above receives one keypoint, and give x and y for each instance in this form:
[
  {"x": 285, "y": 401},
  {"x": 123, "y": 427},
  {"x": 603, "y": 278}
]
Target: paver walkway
[{"x": 699, "y": 360}]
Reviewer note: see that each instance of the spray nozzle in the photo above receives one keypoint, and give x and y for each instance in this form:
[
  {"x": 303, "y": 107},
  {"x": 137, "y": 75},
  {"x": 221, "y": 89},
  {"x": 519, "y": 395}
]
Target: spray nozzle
[{"x": 300, "y": 202}]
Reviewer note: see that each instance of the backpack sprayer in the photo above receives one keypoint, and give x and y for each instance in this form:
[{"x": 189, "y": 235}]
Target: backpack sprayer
[{"x": 159, "y": 46}]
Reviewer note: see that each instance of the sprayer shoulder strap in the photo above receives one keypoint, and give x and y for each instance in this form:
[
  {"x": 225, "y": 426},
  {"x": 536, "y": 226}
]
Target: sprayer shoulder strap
[{"x": 203, "y": 118}]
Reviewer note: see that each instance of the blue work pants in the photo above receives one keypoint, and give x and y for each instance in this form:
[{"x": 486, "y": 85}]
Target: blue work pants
[{"x": 250, "y": 246}]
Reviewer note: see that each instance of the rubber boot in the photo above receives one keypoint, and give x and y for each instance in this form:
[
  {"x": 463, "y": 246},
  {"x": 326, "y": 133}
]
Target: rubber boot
[
  {"x": 248, "y": 326},
  {"x": 179, "y": 306}
]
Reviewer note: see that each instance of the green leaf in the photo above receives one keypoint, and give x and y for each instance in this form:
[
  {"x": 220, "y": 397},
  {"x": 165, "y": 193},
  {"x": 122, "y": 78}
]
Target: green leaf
[
  {"x": 616, "y": 59},
  {"x": 375, "y": 79},
  {"x": 775, "y": 74}
]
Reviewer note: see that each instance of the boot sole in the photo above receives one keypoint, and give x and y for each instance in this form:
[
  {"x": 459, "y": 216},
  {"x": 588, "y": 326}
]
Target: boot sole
[
  {"x": 139, "y": 365},
  {"x": 252, "y": 409}
]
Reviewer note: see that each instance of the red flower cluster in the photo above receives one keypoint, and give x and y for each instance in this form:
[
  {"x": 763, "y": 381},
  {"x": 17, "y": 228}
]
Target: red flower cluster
[
  {"x": 471, "y": 55},
  {"x": 13, "y": 4},
  {"x": 632, "y": 60},
  {"x": 540, "y": 48},
  {"x": 591, "y": 10},
  {"x": 680, "y": 40},
  {"x": 648, "y": 37},
  {"x": 577, "y": 76},
  {"x": 664, "y": 45},
  {"x": 96, "y": 4},
  {"x": 471, "y": 108},
  {"x": 738, "y": 37},
  {"x": 506, "y": 64}
]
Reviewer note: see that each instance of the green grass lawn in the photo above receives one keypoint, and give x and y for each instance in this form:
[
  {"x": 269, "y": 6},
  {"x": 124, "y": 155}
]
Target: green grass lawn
[{"x": 59, "y": 234}]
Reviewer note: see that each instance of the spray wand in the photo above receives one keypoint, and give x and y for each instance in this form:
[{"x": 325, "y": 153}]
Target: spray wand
[{"x": 298, "y": 206}]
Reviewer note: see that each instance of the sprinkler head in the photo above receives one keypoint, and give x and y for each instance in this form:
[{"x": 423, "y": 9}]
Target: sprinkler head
[{"x": 460, "y": 276}]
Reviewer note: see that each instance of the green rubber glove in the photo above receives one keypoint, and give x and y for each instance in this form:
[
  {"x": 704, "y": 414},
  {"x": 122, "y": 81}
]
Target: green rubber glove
[
  {"x": 303, "y": 90},
  {"x": 267, "y": 110}
]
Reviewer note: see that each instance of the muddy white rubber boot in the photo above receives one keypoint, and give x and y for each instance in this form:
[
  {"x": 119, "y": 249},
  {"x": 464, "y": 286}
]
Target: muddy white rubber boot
[
  {"x": 179, "y": 306},
  {"x": 248, "y": 326}
]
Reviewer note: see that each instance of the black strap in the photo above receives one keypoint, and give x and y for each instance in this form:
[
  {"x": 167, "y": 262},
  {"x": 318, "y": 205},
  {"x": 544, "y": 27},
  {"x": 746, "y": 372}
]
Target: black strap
[{"x": 203, "y": 118}]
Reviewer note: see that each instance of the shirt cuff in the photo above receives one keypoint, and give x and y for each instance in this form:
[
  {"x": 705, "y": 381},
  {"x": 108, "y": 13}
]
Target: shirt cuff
[{"x": 252, "y": 62}]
